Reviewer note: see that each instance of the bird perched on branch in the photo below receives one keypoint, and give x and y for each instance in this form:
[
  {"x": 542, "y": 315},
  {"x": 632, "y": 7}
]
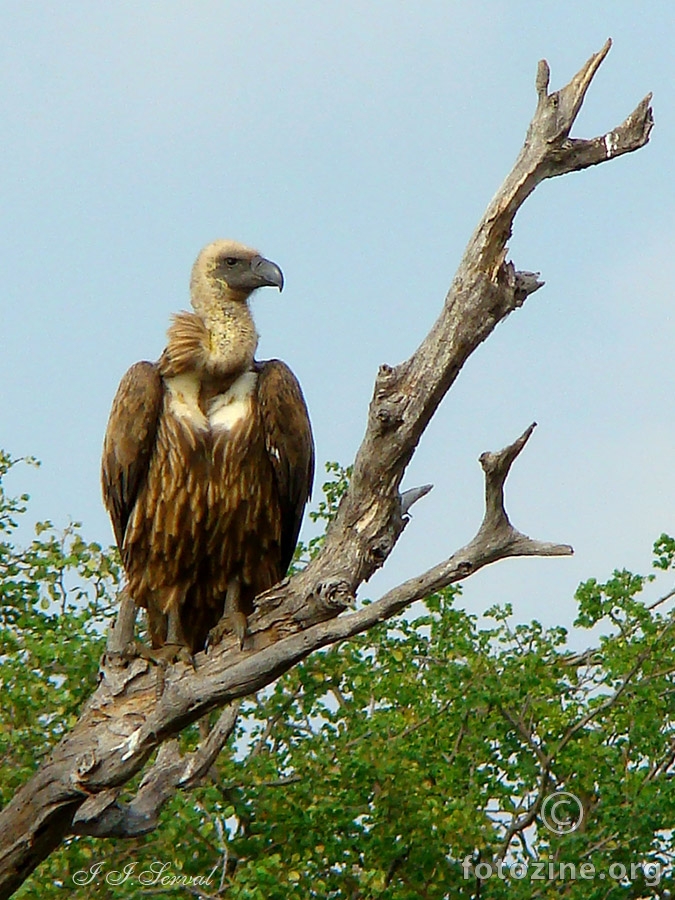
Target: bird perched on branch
[{"x": 208, "y": 460}]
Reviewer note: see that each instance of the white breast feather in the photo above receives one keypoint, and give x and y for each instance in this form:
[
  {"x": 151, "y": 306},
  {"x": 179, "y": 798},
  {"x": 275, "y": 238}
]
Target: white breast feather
[
  {"x": 226, "y": 410},
  {"x": 184, "y": 400}
]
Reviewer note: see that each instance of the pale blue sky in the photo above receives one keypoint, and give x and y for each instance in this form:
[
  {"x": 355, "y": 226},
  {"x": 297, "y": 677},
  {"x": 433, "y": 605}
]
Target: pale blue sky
[{"x": 356, "y": 144}]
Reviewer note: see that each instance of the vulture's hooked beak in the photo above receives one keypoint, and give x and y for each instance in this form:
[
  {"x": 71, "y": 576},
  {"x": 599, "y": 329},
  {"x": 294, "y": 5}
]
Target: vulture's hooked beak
[{"x": 267, "y": 272}]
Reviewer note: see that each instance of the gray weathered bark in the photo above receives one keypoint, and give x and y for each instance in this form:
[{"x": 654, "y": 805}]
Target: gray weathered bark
[{"x": 75, "y": 788}]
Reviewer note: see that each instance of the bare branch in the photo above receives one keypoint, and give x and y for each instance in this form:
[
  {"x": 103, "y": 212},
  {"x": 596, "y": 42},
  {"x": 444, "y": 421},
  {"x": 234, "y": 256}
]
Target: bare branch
[
  {"x": 484, "y": 291},
  {"x": 496, "y": 522},
  {"x": 103, "y": 816},
  {"x": 496, "y": 539},
  {"x": 615, "y": 696},
  {"x": 516, "y": 722},
  {"x": 520, "y": 823}
]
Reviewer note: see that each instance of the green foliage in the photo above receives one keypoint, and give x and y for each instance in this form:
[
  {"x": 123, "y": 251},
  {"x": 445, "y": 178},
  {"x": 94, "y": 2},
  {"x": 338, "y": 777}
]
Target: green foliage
[
  {"x": 389, "y": 766},
  {"x": 664, "y": 551},
  {"x": 55, "y": 596},
  {"x": 332, "y": 489}
]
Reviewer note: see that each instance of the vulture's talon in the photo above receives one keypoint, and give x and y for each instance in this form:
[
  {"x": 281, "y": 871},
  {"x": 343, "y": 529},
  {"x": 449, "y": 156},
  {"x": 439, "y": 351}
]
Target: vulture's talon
[
  {"x": 239, "y": 627},
  {"x": 166, "y": 655},
  {"x": 230, "y": 623}
]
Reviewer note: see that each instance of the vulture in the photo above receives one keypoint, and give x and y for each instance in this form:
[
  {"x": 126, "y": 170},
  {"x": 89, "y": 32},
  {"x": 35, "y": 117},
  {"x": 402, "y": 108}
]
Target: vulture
[{"x": 208, "y": 461}]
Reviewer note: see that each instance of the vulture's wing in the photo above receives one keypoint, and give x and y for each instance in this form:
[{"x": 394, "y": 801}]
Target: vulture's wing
[
  {"x": 129, "y": 442},
  {"x": 290, "y": 447}
]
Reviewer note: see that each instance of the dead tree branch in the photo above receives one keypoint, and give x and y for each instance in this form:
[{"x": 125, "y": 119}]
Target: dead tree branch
[
  {"x": 125, "y": 720},
  {"x": 103, "y": 816}
]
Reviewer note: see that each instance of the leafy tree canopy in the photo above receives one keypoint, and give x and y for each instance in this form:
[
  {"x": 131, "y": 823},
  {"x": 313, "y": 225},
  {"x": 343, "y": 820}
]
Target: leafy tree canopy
[{"x": 413, "y": 761}]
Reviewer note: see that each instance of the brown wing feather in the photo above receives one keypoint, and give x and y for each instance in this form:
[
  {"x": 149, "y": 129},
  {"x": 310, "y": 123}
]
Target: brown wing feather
[
  {"x": 129, "y": 442},
  {"x": 290, "y": 447}
]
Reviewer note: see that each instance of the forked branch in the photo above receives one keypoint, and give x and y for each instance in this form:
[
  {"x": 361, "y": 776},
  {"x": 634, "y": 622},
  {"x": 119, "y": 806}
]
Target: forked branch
[{"x": 103, "y": 815}]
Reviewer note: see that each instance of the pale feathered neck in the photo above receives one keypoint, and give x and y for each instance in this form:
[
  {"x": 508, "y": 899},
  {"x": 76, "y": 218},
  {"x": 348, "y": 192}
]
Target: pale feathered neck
[
  {"x": 219, "y": 338},
  {"x": 221, "y": 341}
]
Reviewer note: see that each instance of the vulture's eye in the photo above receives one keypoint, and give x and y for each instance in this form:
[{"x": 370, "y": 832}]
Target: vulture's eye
[{"x": 231, "y": 260}]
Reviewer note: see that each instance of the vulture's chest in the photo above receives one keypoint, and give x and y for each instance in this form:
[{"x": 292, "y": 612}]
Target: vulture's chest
[
  {"x": 211, "y": 449},
  {"x": 208, "y": 413}
]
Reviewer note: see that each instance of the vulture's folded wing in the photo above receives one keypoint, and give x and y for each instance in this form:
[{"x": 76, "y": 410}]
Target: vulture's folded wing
[
  {"x": 129, "y": 442},
  {"x": 290, "y": 447}
]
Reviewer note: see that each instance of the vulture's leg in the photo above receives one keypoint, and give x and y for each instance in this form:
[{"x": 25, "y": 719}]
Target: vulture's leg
[
  {"x": 176, "y": 647},
  {"x": 166, "y": 631},
  {"x": 174, "y": 630},
  {"x": 167, "y": 636},
  {"x": 233, "y": 612},
  {"x": 233, "y": 618}
]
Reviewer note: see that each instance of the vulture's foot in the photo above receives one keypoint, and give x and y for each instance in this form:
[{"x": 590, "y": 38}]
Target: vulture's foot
[
  {"x": 233, "y": 619},
  {"x": 163, "y": 657},
  {"x": 229, "y": 623},
  {"x": 166, "y": 655}
]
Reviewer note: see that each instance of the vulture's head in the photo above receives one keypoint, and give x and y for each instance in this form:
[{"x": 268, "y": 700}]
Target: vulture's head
[{"x": 230, "y": 271}]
